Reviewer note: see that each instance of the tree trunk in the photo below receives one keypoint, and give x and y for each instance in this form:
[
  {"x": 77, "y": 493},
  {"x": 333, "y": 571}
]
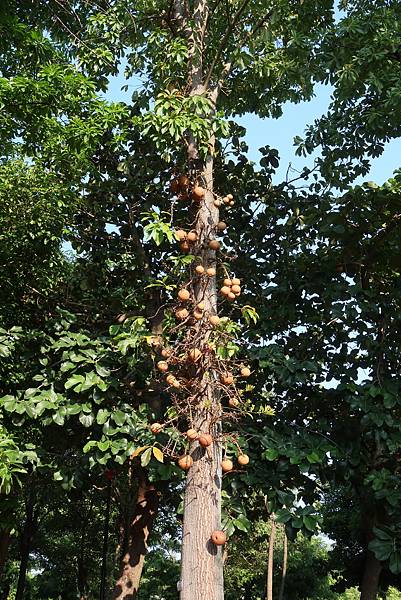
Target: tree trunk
[
  {"x": 270, "y": 562},
  {"x": 147, "y": 504},
  {"x": 284, "y": 573},
  {"x": 201, "y": 561},
  {"x": 103, "y": 572},
  {"x": 371, "y": 576},
  {"x": 25, "y": 546},
  {"x": 5, "y": 539},
  {"x": 82, "y": 574}
]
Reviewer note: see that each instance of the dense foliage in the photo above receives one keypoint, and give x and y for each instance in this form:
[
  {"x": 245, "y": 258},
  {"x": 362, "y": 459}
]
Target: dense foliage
[{"x": 90, "y": 268}]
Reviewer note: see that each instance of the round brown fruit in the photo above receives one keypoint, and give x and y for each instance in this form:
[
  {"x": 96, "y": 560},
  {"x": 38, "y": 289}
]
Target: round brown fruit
[
  {"x": 226, "y": 200},
  {"x": 227, "y": 465},
  {"x": 201, "y": 306},
  {"x": 217, "y": 203},
  {"x": 233, "y": 402},
  {"x": 184, "y": 246},
  {"x": 192, "y": 434},
  {"x": 175, "y": 186},
  {"x": 226, "y": 378},
  {"x": 185, "y": 462},
  {"x": 231, "y": 203},
  {"x": 166, "y": 353},
  {"x": 225, "y": 290},
  {"x": 181, "y": 234},
  {"x": 221, "y": 226},
  {"x": 176, "y": 384},
  {"x": 228, "y": 282},
  {"x": 218, "y": 538},
  {"x": 184, "y": 295},
  {"x": 200, "y": 269},
  {"x": 170, "y": 379},
  {"x": 230, "y": 196},
  {"x": 236, "y": 281},
  {"x": 192, "y": 236},
  {"x": 243, "y": 459},
  {"x": 198, "y": 193},
  {"x": 214, "y": 245},
  {"x": 182, "y": 314},
  {"x": 205, "y": 440},
  {"x": 194, "y": 354},
  {"x": 211, "y": 272},
  {"x": 198, "y": 315},
  {"x": 214, "y": 320},
  {"x": 183, "y": 182},
  {"x": 245, "y": 372},
  {"x": 231, "y": 296},
  {"x": 162, "y": 366},
  {"x": 156, "y": 428},
  {"x": 236, "y": 289}
]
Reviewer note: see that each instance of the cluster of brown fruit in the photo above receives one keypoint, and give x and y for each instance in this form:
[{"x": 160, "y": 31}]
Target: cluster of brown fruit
[
  {"x": 227, "y": 200},
  {"x": 183, "y": 188},
  {"x": 182, "y": 313},
  {"x": 231, "y": 288},
  {"x": 185, "y": 239}
]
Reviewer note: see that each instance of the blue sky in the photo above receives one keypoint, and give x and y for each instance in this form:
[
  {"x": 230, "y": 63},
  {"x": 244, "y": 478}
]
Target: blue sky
[{"x": 280, "y": 133}]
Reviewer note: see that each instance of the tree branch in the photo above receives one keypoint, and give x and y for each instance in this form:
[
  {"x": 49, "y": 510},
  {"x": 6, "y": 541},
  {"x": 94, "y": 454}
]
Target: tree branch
[{"x": 224, "y": 40}]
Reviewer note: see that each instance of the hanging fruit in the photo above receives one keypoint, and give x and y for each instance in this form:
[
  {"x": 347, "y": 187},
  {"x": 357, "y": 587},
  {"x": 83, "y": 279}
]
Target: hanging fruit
[
  {"x": 185, "y": 247},
  {"x": 184, "y": 295},
  {"x": 162, "y": 365},
  {"x": 185, "y": 462},
  {"x": 200, "y": 269},
  {"x": 181, "y": 234},
  {"x": 226, "y": 378},
  {"x": 183, "y": 183},
  {"x": 156, "y": 428},
  {"x": 205, "y": 440},
  {"x": 192, "y": 435},
  {"x": 198, "y": 193},
  {"x": 243, "y": 460},
  {"x": 218, "y": 538},
  {"x": 182, "y": 314},
  {"x": 226, "y": 465},
  {"x": 214, "y": 245}
]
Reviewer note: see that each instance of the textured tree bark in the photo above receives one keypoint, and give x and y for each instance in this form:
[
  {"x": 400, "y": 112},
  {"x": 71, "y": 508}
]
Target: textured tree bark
[
  {"x": 270, "y": 562},
  {"x": 201, "y": 562},
  {"x": 25, "y": 546},
  {"x": 147, "y": 504},
  {"x": 5, "y": 539},
  {"x": 371, "y": 577},
  {"x": 284, "y": 572}
]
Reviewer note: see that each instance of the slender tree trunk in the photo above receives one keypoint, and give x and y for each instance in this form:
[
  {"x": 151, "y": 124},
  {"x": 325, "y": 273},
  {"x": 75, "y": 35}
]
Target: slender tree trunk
[
  {"x": 5, "y": 539},
  {"x": 82, "y": 575},
  {"x": 270, "y": 561},
  {"x": 371, "y": 577},
  {"x": 202, "y": 562},
  {"x": 25, "y": 546},
  {"x": 284, "y": 573},
  {"x": 103, "y": 573},
  {"x": 147, "y": 504}
]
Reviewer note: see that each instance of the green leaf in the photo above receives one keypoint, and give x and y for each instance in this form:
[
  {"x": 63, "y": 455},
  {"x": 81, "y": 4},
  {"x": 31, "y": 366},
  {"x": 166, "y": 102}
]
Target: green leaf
[{"x": 146, "y": 456}]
